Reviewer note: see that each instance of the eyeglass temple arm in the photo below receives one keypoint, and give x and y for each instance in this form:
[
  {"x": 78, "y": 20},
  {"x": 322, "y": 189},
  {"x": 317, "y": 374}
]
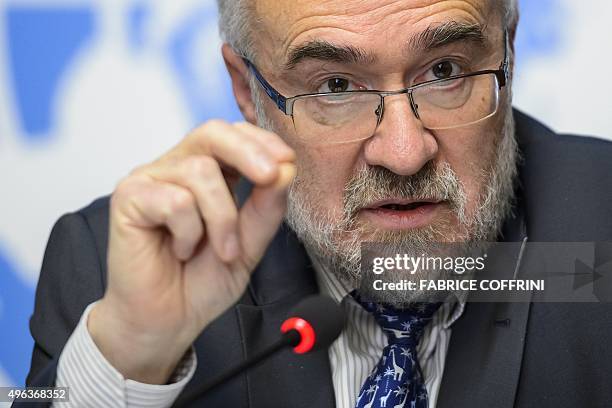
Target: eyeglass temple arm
[
  {"x": 279, "y": 100},
  {"x": 505, "y": 65}
]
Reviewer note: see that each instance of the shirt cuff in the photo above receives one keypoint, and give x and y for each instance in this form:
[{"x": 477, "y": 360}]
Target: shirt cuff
[{"x": 94, "y": 382}]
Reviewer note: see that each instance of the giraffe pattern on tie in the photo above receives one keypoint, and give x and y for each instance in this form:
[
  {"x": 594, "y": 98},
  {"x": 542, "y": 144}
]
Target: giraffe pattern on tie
[
  {"x": 369, "y": 404},
  {"x": 384, "y": 398},
  {"x": 402, "y": 402},
  {"x": 397, "y": 375},
  {"x": 399, "y": 334},
  {"x": 398, "y": 372}
]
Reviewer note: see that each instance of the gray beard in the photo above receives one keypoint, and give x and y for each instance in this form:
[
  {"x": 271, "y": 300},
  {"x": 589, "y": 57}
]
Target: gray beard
[{"x": 336, "y": 245}]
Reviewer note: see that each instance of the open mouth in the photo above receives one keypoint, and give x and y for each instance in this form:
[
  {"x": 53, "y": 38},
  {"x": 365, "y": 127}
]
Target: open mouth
[{"x": 402, "y": 214}]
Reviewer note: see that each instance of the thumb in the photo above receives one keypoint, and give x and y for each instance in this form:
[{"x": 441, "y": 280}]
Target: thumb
[{"x": 262, "y": 214}]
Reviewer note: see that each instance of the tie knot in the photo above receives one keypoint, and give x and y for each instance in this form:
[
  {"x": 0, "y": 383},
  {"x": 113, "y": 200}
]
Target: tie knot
[{"x": 402, "y": 326}]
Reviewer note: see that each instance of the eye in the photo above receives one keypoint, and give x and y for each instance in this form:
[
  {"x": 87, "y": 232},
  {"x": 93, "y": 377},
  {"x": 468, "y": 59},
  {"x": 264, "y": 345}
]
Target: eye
[
  {"x": 336, "y": 85},
  {"x": 443, "y": 70}
]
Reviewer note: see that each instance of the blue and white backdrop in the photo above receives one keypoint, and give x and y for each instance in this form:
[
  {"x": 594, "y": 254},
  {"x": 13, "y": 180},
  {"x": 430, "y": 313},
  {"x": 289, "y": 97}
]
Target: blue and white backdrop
[{"x": 91, "y": 88}]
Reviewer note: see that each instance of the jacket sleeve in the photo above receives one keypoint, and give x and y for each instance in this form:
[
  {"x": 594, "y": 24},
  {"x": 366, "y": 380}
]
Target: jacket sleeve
[{"x": 70, "y": 279}]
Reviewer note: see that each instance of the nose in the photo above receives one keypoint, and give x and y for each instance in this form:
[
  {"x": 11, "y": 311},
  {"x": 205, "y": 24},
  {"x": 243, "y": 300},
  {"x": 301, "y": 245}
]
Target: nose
[{"x": 400, "y": 143}]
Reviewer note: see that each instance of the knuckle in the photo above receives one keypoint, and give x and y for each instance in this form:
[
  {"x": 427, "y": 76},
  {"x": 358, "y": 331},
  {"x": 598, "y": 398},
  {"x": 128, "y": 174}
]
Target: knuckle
[
  {"x": 128, "y": 194},
  {"x": 203, "y": 166},
  {"x": 180, "y": 201},
  {"x": 125, "y": 189},
  {"x": 207, "y": 132}
]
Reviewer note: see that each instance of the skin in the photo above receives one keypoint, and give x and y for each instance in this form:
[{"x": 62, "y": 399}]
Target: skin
[
  {"x": 401, "y": 144},
  {"x": 180, "y": 253}
]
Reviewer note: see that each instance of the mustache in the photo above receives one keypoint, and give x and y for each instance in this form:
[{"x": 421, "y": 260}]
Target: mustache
[{"x": 375, "y": 183}]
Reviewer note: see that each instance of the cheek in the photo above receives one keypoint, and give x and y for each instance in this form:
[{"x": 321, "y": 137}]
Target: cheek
[
  {"x": 319, "y": 172},
  {"x": 470, "y": 153},
  {"x": 323, "y": 173}
]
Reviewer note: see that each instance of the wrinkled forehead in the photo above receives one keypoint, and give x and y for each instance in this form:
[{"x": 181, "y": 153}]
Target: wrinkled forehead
[{"x": 377, "y": 26}]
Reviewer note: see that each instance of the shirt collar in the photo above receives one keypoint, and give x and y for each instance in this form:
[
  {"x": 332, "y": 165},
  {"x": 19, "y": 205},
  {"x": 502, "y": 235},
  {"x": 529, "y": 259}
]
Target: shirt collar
[{"x": 331, "y": 286}]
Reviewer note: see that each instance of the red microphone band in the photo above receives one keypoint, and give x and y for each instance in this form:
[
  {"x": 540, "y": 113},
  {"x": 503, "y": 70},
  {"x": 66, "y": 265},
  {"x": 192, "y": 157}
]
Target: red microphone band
[{"x": 305, "y": 330}]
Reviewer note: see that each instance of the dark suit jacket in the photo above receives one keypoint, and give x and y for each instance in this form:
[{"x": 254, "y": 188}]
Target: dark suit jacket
[{"x": 500, "y": 355}]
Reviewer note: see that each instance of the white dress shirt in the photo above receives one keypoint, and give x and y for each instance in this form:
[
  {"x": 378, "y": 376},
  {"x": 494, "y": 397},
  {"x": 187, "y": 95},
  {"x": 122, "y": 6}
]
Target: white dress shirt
[
  {"x": 94, "y": 382},
  {"x": 357, "y": 351}
]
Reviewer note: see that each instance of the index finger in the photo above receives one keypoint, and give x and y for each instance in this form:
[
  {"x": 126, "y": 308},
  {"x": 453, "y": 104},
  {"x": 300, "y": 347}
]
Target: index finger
[{"x": 238, "y": 148}]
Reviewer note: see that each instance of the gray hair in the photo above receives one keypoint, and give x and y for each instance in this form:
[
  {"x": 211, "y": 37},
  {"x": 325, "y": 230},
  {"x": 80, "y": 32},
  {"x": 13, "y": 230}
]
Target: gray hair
[
  {"x": 235, "y": 26},
  {"x": 235, "y": 23},
  {"x": 511, "y": 13}
]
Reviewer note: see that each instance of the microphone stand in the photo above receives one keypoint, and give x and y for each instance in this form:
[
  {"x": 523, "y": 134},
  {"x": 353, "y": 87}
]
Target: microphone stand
[{"x": 290, "y": 338}]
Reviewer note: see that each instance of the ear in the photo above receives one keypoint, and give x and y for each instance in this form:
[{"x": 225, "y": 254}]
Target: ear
[
  {"x": 512, "y": 31},
  {"x": 238, "y": 72},
  {"x": 512, "y": 39}
]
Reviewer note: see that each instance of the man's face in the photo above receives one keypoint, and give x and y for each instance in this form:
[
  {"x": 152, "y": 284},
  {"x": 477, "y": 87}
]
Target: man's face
[{"x": 405, "y": 183}]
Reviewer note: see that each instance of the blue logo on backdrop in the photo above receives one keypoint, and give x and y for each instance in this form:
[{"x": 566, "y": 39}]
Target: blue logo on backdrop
[{"x": 41, "y": 43}]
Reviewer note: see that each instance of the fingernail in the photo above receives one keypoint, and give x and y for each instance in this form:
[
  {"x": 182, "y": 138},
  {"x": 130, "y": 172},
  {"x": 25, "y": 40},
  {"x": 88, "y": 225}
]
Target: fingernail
[{"x": 232, "y": 247}]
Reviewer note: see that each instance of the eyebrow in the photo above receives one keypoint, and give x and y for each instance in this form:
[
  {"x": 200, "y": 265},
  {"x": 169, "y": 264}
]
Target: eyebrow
[
  {"x": 438, "y": 36},
  {"x": 326, "y": 51},
  {"x": 433, "y": 37}
]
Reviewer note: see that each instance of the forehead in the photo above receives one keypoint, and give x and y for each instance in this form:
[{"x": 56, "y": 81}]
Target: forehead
[{"x": 368, "y": 23}]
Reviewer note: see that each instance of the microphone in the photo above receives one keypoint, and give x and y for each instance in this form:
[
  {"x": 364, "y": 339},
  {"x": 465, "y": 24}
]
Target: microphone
[{"x": 313, "y": 324}]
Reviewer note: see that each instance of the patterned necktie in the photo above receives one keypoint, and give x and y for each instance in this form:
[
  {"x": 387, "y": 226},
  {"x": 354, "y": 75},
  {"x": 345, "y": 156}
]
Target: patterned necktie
[{"x": 397, "y": 381}]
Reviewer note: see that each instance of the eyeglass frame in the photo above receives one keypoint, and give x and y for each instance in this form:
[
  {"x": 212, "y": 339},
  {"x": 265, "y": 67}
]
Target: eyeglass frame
[{"x": 285, "y": 104}]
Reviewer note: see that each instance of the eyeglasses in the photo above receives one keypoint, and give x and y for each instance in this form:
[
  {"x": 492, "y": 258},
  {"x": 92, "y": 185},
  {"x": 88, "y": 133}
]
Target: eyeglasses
[{"x": 341, "y": 117}]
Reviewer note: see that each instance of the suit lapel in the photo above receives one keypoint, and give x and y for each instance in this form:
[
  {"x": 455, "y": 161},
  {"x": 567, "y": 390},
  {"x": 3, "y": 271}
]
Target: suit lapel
[
  {"x": 484, "y": 357},
  {"x": 483, "y": 362},
  {"x": 286, "y": 379},
  {"x": 283, "y": 278}
]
